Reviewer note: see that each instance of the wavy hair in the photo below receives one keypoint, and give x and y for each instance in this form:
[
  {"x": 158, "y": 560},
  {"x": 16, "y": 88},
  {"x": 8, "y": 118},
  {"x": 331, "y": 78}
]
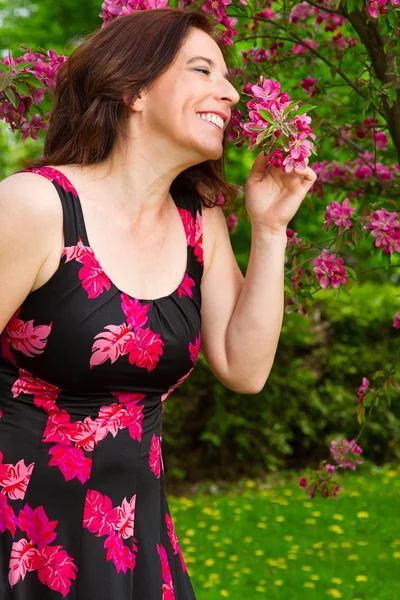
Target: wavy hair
[{"x": 114, "y": 63}]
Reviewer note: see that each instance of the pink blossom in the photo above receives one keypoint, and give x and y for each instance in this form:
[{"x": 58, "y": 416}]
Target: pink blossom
[
  {"x": 396, "y": 322},
  {"x": 232, "y": 222},
  {"x": 338, "y": 214},
  {"x": 346, "y": 453},
  {"x": 309, "y": 85},
  {"x": 329, "y": 270},
  {"x": 374, "y": 7},
  {"x": 385, "y": 228},
  {"x": 362, "y": 390}
]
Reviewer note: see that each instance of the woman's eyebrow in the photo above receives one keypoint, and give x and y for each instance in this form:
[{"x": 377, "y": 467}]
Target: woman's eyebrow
[{"x": 211, "y": 63}]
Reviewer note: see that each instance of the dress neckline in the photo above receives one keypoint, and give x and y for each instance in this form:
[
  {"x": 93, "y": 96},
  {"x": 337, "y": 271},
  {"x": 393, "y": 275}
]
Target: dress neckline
[{"x": 73, "y": 192}]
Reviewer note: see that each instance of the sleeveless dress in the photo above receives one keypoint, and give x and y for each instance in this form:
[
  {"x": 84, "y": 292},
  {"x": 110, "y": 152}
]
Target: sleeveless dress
[{"x": 85, "y": 370}]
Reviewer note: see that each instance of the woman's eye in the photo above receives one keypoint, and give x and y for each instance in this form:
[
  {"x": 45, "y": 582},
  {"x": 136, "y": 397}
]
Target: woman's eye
[{"x": 206, "y": 71}]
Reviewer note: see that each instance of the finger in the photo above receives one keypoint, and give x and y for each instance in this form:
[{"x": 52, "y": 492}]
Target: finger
[{"x": 257, "y": 171}]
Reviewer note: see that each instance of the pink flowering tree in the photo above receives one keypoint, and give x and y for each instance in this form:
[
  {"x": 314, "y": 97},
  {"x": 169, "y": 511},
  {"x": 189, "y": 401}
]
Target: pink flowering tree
[{"x": 317, "y": 77}]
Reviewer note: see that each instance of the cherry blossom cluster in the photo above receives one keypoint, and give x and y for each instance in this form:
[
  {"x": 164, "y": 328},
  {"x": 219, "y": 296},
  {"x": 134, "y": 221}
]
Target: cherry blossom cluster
[
  {"x": 338, "y": 214},
  {"x": 346, "y": 453},
  {"x": 376, "y": 7},
  {"x": 26, "y": 79},
  {"x": 321, "y": 481},
  {"x": 329, "y": 270},
  {"x": 385, "y": 228},
  {"x": 283, "y": 137},
  {"x": 362, "y": 390},
  {"x": 110, "y": 9}
]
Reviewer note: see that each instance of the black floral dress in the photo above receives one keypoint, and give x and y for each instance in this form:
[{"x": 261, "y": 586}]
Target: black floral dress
[{"x": 85, "y": 370}]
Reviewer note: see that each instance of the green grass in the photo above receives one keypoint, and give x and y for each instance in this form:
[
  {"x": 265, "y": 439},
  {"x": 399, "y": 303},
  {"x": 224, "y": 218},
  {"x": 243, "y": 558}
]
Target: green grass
[{"x": 269, "y": 541}]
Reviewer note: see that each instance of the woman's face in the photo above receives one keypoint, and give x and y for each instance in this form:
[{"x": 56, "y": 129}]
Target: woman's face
[{"x": 169, "y": 111}]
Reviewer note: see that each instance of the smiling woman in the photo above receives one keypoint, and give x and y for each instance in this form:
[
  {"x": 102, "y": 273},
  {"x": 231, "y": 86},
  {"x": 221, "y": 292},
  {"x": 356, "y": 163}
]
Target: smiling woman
[{"x": 94, "y": 236}]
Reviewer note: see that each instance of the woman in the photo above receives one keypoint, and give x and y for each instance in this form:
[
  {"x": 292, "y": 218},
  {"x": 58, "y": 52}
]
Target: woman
[{"x": 94, "y": 342}]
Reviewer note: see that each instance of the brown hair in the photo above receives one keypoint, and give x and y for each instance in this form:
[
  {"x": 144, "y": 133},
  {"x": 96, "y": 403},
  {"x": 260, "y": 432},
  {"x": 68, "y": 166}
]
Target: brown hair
[{"x": 117, "y": 61}]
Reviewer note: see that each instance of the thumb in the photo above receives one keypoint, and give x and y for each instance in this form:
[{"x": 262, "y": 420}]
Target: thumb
[{"x": 259, "y": 167}]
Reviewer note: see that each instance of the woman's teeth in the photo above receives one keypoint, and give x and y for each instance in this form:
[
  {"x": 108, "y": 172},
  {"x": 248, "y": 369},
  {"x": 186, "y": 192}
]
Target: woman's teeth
[{"x": 212, "y": 118}]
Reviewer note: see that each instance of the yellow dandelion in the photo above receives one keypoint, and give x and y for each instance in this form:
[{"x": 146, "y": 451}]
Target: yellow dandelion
[
  {"x": 337, "y": 580},
  {"x": 262, "y": 525},
  {"x": 314, "y": 577},
  {"x": 336, "y": 529},
  {"x": 202, "y": 524},
  {"x": 316, "y": 513},
  {"x": 227, "y": 540},
  {"x": 353, "y": 557},
  {"x": 280, "y": 519},
  {"x": 259, "y": 552},
  {"x": 306, "y": 568},
  {"x": 248, "y": 507},
  {"x": 214, "y": 528},
  {"x": 307, "y": 504},
  {"x": 246, "y": 570},
  {"x": 236, "y": 574},
  {"x": 363, "y": 514},
  {"x": 361, "y": 578},
  {"x": 250, "y": 483},
  {"x": 288, "y": 492},
  {"x": 190, "y": 532},
  {"x": 346, "y": 544},
  {"x": 396, "y": 554},
  {"x": 238, "y": 510},
  {"x": 309, "y": 584},
  {"x": 288, "y": 538},
  {"x": 248, "y": 539},
  {"x": 260, "y": 588},
  {"x": 207, "y": 510},
  {"x": 278, "y": 582},
  {"x": 234, "y": 557},
  {"x": 338, "y": 517},
  {"x": 209, "y": 562},
  {"x": 310, "y": 521},
  {"x": 224, "y": 593},
  {"x": 334, "y": 593}
]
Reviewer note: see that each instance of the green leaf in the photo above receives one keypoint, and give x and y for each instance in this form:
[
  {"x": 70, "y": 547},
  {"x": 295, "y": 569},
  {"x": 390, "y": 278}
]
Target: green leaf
[
  {"x": 289, "y": 108},
  {"x": 11, "y": 97},
  {"x": 22, "y": 89},
  {"x": 267, "y": 116},
  {"x": 304, "y": 108},
  {"x": 31, "y": 79},
  {"x": 385, "y": 259},
  {"x": 334, "y": 70},
  {"x": 339, "y": 242},
  {"x": 5, "y": 80},
  {"x": 352, "y": 272},
  {"x": 352, "y": 5},
  {"x": 22, "y": 65}
]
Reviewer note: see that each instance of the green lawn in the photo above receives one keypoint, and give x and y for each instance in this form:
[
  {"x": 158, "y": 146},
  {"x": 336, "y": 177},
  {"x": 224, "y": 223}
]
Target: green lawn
[{"x": 267, "y": 540}]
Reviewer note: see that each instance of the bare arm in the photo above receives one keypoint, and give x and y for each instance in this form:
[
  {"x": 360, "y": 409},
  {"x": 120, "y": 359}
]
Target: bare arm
[
  {"x": 242, "y": 317},
  {"x": 27, "y": 216}
]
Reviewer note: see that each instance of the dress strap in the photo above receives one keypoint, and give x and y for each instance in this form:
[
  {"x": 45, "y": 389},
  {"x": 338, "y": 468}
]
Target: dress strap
[{"x": 74, "y": 225}]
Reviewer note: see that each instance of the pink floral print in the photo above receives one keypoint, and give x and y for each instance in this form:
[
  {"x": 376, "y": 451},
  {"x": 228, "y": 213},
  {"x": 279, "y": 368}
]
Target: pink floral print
[
  {"x": 55, "y": 568},
  {"x": 85, "y": 371},
  {"x": 168, "y": 586},
  {"x": 25, "y": 337},
  {"x": 116, "y": 523}
]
